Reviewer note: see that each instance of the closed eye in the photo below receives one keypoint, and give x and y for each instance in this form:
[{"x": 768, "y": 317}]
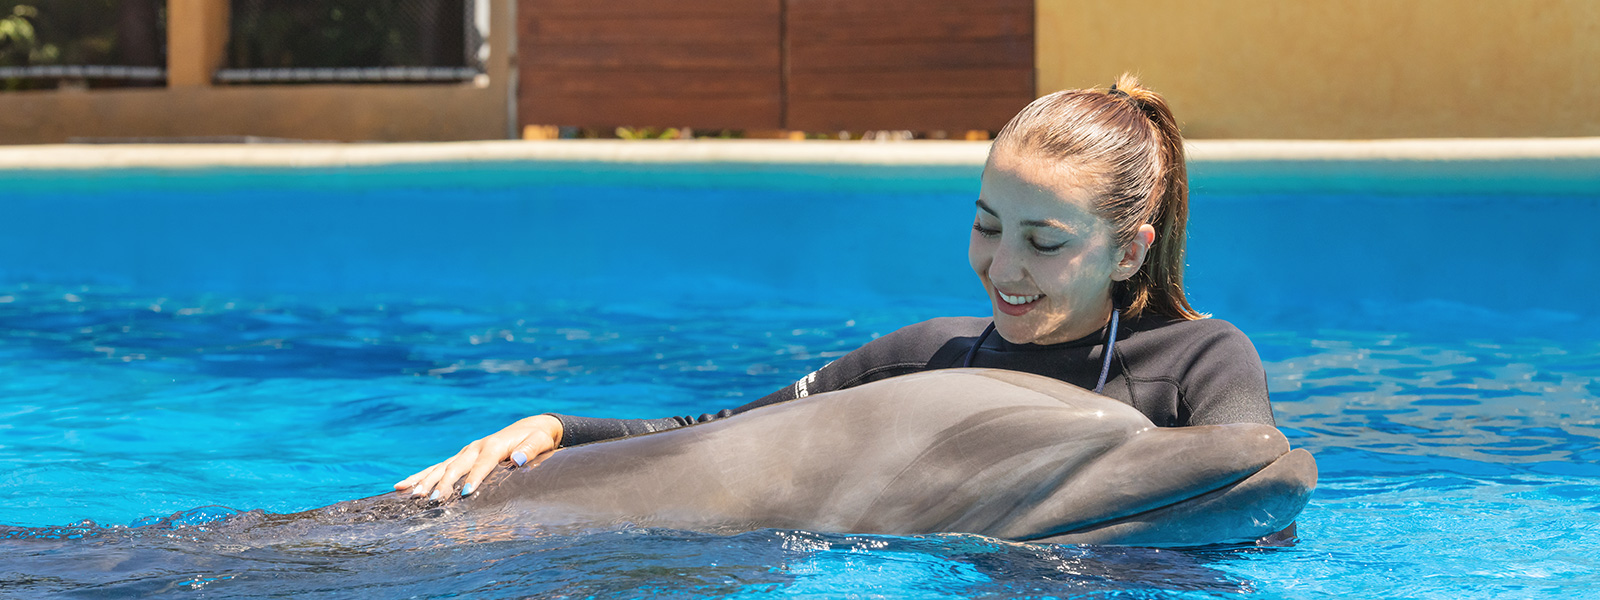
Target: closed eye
[
  {"x": 1043, "y": 248},
  {"x": 984, "y": 231}
]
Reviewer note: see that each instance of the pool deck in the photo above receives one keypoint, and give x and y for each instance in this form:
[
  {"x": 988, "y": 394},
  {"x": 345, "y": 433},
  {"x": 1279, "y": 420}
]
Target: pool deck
[
  {"x": 922, "y": 152},
  {"x": 1557, "y": 165}
]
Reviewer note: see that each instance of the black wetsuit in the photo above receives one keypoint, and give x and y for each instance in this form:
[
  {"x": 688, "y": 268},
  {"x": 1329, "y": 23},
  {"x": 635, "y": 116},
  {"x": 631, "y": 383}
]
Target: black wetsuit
[{"x": 1176, "y": 372}]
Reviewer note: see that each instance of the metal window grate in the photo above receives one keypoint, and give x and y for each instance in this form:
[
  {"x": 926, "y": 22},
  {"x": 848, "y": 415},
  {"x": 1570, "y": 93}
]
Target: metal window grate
[
  {"x": 97, "y": 42},
  {"x": 353, "y": 41},
  {"x": 110, "y": 72},
  {"x": 347, "y": 74}
]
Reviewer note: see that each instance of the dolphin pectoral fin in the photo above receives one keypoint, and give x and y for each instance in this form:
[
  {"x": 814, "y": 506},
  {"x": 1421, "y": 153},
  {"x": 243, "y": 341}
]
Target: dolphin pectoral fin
[{"x": 1256, "y": 506}]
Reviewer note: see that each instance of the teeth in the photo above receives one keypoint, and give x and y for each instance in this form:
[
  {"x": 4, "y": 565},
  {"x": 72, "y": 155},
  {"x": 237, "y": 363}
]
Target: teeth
[{"x": 1018, "y": 299}]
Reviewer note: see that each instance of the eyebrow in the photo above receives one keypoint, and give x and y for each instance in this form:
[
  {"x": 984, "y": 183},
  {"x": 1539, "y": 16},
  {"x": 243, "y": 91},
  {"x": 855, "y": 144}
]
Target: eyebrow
[{"x": 1052, "y": 223}]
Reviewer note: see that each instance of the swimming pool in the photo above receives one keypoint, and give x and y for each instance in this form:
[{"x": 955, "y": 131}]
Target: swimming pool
[{"x": 285, "y": 339}]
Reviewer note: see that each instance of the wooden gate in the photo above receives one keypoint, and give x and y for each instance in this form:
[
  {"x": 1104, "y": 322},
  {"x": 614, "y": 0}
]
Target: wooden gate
[
  {"x": 669, "y": 63},
  {"x": 907, "y": 64},
  {"x": 810, "y": 65}
]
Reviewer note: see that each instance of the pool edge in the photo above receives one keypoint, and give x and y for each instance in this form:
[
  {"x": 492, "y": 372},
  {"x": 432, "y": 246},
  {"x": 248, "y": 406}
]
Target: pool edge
[
  {"x": 922, "y": 152},
  {"x": 1400, "y": 166}
]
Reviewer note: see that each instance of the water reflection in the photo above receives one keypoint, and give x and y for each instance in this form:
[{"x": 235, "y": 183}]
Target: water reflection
[
  {"x": 434, "y": 555},
  {"x": 1449, "y": 453}
]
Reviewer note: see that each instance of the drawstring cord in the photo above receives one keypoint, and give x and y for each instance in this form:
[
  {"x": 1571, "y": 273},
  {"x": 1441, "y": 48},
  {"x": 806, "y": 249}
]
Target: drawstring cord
[
  {"x": 981, "y": 337},
  {"x": 1111, "y": 343}
]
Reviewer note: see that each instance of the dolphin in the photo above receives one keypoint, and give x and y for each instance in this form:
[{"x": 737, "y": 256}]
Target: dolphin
[{"x": 998, "y": 453}]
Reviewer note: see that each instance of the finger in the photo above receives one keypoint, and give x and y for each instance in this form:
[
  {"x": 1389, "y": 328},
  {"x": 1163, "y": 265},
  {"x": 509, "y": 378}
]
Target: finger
[
  {"x": 535, "y": 444},
  {"x": 416, "y": 480},
  {"x": 486, "y": 463},
  {"x": 491, "y": 457},
  {"x": 427, "y": 482},
  {"x": 411, "y": 481},
  {"x": 438, "y": 482},
  {"x": 452, "y": 472}
]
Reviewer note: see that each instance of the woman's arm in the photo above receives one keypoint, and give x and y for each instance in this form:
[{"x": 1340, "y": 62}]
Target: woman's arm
[
  {"x": 536, "y": 435},
  {"x": 519, "y": 441},
  {"x": 1225, "y": 382},
  {"x": 906, "y": 350}
]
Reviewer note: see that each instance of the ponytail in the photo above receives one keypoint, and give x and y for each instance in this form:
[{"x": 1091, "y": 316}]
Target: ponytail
[
  {"x": 1158, "y": 286},
  {"x": 1128, "y": 137}
]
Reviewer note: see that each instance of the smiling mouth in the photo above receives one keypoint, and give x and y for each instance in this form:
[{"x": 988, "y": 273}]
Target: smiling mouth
[
  {"x": 1015, "y": 306},
  {"x": 1017, "y": 300}
]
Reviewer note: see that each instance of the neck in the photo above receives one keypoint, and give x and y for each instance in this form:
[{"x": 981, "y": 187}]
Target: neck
[{"x": 1067, "y": 334}]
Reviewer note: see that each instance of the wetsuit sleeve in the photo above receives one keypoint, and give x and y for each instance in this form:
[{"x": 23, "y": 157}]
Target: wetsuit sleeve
[
  {"x": 582, "y": 430},
  {"x": 906, "y": 350},
  {"x": 1226, "y": 382}
]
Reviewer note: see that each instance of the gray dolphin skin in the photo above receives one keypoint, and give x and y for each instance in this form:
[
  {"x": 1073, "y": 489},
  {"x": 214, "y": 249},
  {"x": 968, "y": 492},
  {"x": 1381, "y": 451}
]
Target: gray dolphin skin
[{"x": 998, "y": 453}]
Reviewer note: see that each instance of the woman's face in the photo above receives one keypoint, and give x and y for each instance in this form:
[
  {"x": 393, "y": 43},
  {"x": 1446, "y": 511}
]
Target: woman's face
[{"x": 1046, "y": 259}]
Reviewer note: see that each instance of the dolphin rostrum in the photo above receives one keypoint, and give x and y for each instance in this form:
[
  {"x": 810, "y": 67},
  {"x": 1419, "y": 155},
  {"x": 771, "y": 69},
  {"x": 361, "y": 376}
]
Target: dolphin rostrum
[{"x": 999, "y": 453}]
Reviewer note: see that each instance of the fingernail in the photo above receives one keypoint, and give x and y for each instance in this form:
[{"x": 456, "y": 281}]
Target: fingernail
[
  {"x": 466, "y": 489},
  {"x": 435, "y": 495},
  {"x": 519, "y": 458}
]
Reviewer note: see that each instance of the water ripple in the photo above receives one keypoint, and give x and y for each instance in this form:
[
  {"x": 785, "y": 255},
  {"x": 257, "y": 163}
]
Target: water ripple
[{"x": 1467, "y": 457}]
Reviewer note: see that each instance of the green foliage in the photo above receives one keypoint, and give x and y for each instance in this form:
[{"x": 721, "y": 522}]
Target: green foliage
[
  {"x": 16, "y": 27},
  {"x": 648, "y": 133},
  {"x": 19, "y": 43},
  {"x": 67, "y": 32},
  {"x": 652, "y": 133},
  {"x": 79, "y": 32}
]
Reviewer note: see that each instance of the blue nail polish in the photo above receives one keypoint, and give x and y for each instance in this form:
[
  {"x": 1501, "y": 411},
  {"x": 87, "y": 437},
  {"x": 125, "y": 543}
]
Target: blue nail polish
[
  {"x": 434, "y": 496},
  {"x": 519, "y": 458},
  {"x": 466, "y": 489}
]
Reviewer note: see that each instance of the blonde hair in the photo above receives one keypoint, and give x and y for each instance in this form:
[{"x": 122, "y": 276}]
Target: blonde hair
[{"x": 1127, "y": 139}]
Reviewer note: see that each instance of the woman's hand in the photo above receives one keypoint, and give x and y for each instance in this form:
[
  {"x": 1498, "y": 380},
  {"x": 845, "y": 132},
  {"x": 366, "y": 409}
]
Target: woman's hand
[{"x": 520, "y": 441}]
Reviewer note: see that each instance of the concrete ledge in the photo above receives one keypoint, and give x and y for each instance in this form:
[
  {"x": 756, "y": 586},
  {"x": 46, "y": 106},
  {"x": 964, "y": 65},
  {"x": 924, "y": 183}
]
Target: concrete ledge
[
  {"x": 1468, "y": 167},
  {"x": 596, "y": 151},
  {"x": 1475, "y": 149},
  {"x": 920, "y": 153},
  {"x": 1504, "y": 167}
]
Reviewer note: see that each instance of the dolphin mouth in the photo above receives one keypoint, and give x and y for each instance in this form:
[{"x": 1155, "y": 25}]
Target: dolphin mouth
[{"x": 1256, "y": 505}]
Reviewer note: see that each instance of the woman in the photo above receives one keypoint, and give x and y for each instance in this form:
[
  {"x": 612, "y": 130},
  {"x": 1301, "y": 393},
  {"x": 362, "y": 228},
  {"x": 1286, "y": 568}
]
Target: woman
[{"x": 1079, "y": 241}]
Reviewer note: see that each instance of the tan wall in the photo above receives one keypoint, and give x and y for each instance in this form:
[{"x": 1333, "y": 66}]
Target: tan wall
[
  {"x": 1310, "y": 69},
  {"x": 197, "y": 40},
  {"x": 309, "y": 112},
  {"x": 344, "y": 112}
]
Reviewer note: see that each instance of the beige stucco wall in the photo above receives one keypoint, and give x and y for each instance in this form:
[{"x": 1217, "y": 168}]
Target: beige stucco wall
[
  {"x": 1318, "y": 69},
  {"x": 345, "y": 112},
  {"x": 309, "y": 112}
]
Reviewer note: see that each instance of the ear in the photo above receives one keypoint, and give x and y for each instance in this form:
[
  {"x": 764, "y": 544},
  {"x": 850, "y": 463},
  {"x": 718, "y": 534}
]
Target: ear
[{"x": 1133, "y": 254}]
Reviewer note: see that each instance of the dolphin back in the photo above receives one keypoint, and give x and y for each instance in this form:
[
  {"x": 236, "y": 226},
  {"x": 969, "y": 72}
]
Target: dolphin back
[{"x": 998, "y": 453}]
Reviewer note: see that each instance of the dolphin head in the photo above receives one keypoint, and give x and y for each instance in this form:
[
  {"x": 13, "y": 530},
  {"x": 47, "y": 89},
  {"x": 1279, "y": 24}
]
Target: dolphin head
[{"x": 1040, "y": 460}]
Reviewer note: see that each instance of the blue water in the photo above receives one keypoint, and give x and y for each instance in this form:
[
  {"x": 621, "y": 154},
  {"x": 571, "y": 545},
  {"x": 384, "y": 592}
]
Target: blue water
[{"x": 170, "y": 348}]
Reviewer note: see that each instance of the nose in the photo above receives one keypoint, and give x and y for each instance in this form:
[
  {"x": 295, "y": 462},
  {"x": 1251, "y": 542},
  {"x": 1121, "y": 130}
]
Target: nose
[{"x": 1006, "y": 266}]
